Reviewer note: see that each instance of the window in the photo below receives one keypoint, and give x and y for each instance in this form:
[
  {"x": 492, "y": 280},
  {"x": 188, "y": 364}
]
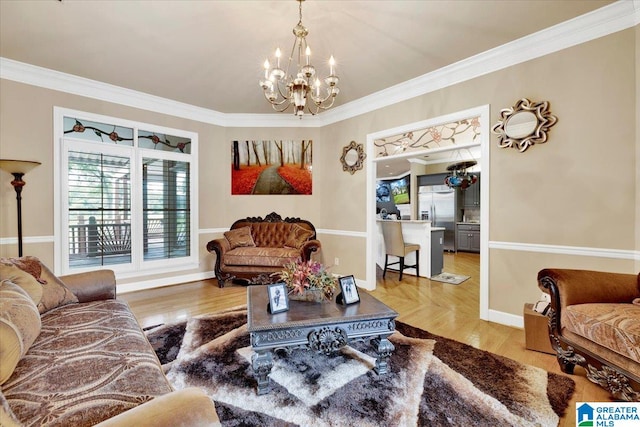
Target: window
[{"x": 125, "y": 195}]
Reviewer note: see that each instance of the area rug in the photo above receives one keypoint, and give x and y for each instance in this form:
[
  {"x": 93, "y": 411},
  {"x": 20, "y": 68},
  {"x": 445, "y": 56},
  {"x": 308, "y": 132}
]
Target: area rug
[
  {"x": 434, "y": 381},
  {"x": 452, "y": 279}
]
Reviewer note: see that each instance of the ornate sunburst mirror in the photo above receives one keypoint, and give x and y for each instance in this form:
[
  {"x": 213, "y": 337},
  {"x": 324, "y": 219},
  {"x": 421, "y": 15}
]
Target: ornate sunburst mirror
[
  {"x": 352, "y": 158},
  {"x": 524, "y": 125}
]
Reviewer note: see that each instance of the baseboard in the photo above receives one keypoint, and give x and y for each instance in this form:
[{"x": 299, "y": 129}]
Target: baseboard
[
  {"x": 506, "y": 319},
  {"x": 166, "y": 281}
]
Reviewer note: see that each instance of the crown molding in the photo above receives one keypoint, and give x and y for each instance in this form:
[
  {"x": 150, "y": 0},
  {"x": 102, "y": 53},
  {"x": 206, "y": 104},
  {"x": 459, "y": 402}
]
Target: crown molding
[{"x": 607, "y": 20}]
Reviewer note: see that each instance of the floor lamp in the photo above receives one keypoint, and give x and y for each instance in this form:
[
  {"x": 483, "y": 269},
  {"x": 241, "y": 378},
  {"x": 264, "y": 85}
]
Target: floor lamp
[{"x": 18, "y": 168}]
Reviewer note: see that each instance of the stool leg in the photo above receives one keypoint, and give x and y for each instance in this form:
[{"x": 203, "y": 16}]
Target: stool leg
[
  {"x": 418, "y": 263},
  {"x": 386, "y": 261},
  {"x": 401, "y": 267}
]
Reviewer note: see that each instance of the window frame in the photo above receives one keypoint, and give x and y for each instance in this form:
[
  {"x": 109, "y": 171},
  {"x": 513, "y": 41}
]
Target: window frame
[{"x": 138, "y": 266}]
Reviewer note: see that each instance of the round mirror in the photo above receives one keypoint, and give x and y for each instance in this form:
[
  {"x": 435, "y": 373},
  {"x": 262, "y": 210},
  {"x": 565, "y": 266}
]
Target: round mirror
[
  {"x": 352, "y": 157},
  {"x": 521, "y": 124},
  {"x": 524, "y": 125}
]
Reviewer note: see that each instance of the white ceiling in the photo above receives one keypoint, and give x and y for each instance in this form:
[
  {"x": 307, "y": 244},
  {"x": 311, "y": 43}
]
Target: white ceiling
[{"x": 209, "y": 53}]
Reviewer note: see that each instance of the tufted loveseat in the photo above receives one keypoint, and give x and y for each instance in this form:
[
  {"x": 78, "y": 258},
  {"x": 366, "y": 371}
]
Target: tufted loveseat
[
  {"x": 594, "y": 322},
  {"x": 71, "y": 354},
  {"x": 253, "y": 248}
]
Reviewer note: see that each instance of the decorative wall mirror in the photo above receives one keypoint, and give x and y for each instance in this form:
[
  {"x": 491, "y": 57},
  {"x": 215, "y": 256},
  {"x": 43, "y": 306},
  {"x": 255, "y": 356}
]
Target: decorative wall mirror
[
  {"x": 524, "y": 125},
  {"x": 352, "y": 158}
]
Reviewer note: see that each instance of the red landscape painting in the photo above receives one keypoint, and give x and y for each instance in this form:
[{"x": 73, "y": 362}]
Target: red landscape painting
[{"x": 271, "y": 167}]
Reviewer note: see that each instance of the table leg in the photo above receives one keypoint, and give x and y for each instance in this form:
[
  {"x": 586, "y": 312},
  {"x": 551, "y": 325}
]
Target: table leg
[
  {"x": 384, "y": 348},
  {"x": 262, "y": 362}
]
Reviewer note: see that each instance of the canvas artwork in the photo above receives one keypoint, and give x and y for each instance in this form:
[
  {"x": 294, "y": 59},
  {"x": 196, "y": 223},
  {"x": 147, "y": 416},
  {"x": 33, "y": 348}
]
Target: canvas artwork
[{"x": 271, "y": 167}]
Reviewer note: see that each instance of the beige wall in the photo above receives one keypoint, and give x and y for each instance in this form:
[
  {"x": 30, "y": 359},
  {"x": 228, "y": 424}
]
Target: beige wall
[{"x": 579, "y": 189}]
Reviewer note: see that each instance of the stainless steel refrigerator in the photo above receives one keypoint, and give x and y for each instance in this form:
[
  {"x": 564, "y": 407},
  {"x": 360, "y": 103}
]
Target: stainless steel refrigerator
[{"x": 437, "y": 203}]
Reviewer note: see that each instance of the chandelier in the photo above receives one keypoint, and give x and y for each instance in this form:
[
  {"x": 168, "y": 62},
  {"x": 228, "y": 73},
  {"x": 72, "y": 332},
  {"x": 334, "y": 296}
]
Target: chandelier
[
  {"x": 459, "y": 176},
  {"x": 299, "y": 85}
]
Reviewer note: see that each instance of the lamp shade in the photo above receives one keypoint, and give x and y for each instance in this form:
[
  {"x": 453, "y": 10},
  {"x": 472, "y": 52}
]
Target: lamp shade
[{"x": 17, "y": 166}]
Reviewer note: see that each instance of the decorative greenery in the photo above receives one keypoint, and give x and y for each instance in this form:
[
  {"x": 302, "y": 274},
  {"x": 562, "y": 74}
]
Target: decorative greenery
[{"x": 302, "y": 275}]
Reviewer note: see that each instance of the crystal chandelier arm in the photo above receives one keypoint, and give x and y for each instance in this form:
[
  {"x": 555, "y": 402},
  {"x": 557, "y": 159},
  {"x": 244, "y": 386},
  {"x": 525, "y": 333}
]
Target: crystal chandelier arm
[
  {"x": 319, "y": 107},
  {"x": 275, "y": 103}
]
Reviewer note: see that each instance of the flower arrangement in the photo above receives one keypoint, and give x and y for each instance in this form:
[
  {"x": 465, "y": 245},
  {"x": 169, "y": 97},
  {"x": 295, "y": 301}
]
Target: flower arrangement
[{"x": 300, "y": 276}]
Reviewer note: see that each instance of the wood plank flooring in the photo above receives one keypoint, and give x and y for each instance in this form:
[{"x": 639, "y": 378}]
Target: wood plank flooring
[{"x": 448, "y": 310}]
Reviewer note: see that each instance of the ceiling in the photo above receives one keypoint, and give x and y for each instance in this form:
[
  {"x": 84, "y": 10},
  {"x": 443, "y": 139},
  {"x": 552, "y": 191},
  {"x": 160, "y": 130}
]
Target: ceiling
[{"x": 210, "y": 53}]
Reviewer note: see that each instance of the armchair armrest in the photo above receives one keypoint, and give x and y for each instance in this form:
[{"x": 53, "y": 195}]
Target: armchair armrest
[
  {"x": 308, "y": 248},
  {"x": 585, "y": 286},
  {"x": 219, "y": 247},
  {"x": 569, "y": 287},
  {"x": 188, "y": 407},
  {"x": 92, "y": 286}
]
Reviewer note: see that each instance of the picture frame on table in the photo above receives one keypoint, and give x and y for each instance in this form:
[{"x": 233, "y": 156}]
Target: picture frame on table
[
  {"x": 349, "y": 290},
  {"x": 278, "y": 298}
]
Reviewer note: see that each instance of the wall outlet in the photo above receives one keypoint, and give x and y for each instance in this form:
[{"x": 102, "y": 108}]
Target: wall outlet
[{"x": 336, "y": 261}]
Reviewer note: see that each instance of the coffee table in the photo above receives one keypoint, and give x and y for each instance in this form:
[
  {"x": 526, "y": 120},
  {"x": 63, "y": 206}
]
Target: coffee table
[{"x": 321, "y": 327}]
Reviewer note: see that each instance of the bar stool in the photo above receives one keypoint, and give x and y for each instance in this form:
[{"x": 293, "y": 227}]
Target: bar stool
[{"x": 395, "y": 246}]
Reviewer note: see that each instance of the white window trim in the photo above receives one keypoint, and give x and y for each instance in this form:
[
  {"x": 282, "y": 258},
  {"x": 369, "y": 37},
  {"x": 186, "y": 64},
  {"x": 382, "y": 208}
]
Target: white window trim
[{"x": 138, "y": 266}]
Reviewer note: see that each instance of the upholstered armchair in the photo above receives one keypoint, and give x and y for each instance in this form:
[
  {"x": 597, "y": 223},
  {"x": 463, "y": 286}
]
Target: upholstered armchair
[{"x": 594, "y": 322}]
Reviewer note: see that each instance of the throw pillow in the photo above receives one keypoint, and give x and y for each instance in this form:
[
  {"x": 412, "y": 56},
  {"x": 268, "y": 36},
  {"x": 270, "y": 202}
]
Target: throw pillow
[
  {"x": 297, "y": 236},
  {"x": 54, "y": 291},
  {"x": 29, "y": 264},
  {"x": 19, "y": 326},
  {"x": 10, "y": 271},
  {"x": 636, "y": 301},
  {"x": 239, "y": 237}
]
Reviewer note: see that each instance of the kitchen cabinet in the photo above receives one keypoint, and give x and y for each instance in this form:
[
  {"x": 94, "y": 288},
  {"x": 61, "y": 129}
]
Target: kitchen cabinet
[
  {"x": 471, "y": 195},
  {"x": 468, "y": 237}
]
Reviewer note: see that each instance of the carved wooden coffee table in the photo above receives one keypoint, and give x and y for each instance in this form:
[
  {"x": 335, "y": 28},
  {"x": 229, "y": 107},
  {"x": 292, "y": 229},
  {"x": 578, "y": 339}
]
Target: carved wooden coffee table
[{"x": 321, "y": 327}]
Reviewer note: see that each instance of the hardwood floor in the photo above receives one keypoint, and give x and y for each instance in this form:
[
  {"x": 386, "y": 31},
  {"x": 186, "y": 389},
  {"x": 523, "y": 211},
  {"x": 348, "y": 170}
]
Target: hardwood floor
[{"x": 448, "y": 310}]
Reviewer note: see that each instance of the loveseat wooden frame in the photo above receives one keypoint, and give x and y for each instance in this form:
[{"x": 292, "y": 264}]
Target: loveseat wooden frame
[{"x": 598, "y": 362}]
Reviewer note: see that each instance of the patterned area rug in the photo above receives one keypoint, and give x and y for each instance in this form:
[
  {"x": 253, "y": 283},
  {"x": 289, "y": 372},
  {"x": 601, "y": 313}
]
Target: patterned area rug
[
  {"x": 434, "y": 381},
  {"x": 452, "y": 279}
]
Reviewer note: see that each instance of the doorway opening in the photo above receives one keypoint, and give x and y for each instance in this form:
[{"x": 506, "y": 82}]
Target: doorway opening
[{"x": 483, "y": 115}]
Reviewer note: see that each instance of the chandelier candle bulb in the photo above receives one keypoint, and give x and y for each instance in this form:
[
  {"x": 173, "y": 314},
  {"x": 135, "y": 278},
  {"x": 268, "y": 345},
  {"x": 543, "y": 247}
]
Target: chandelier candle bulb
[
  {"x": 332, "y": 62},
  {"x": 308, "y": 54},
  {"x": 278, "y": 53}
]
